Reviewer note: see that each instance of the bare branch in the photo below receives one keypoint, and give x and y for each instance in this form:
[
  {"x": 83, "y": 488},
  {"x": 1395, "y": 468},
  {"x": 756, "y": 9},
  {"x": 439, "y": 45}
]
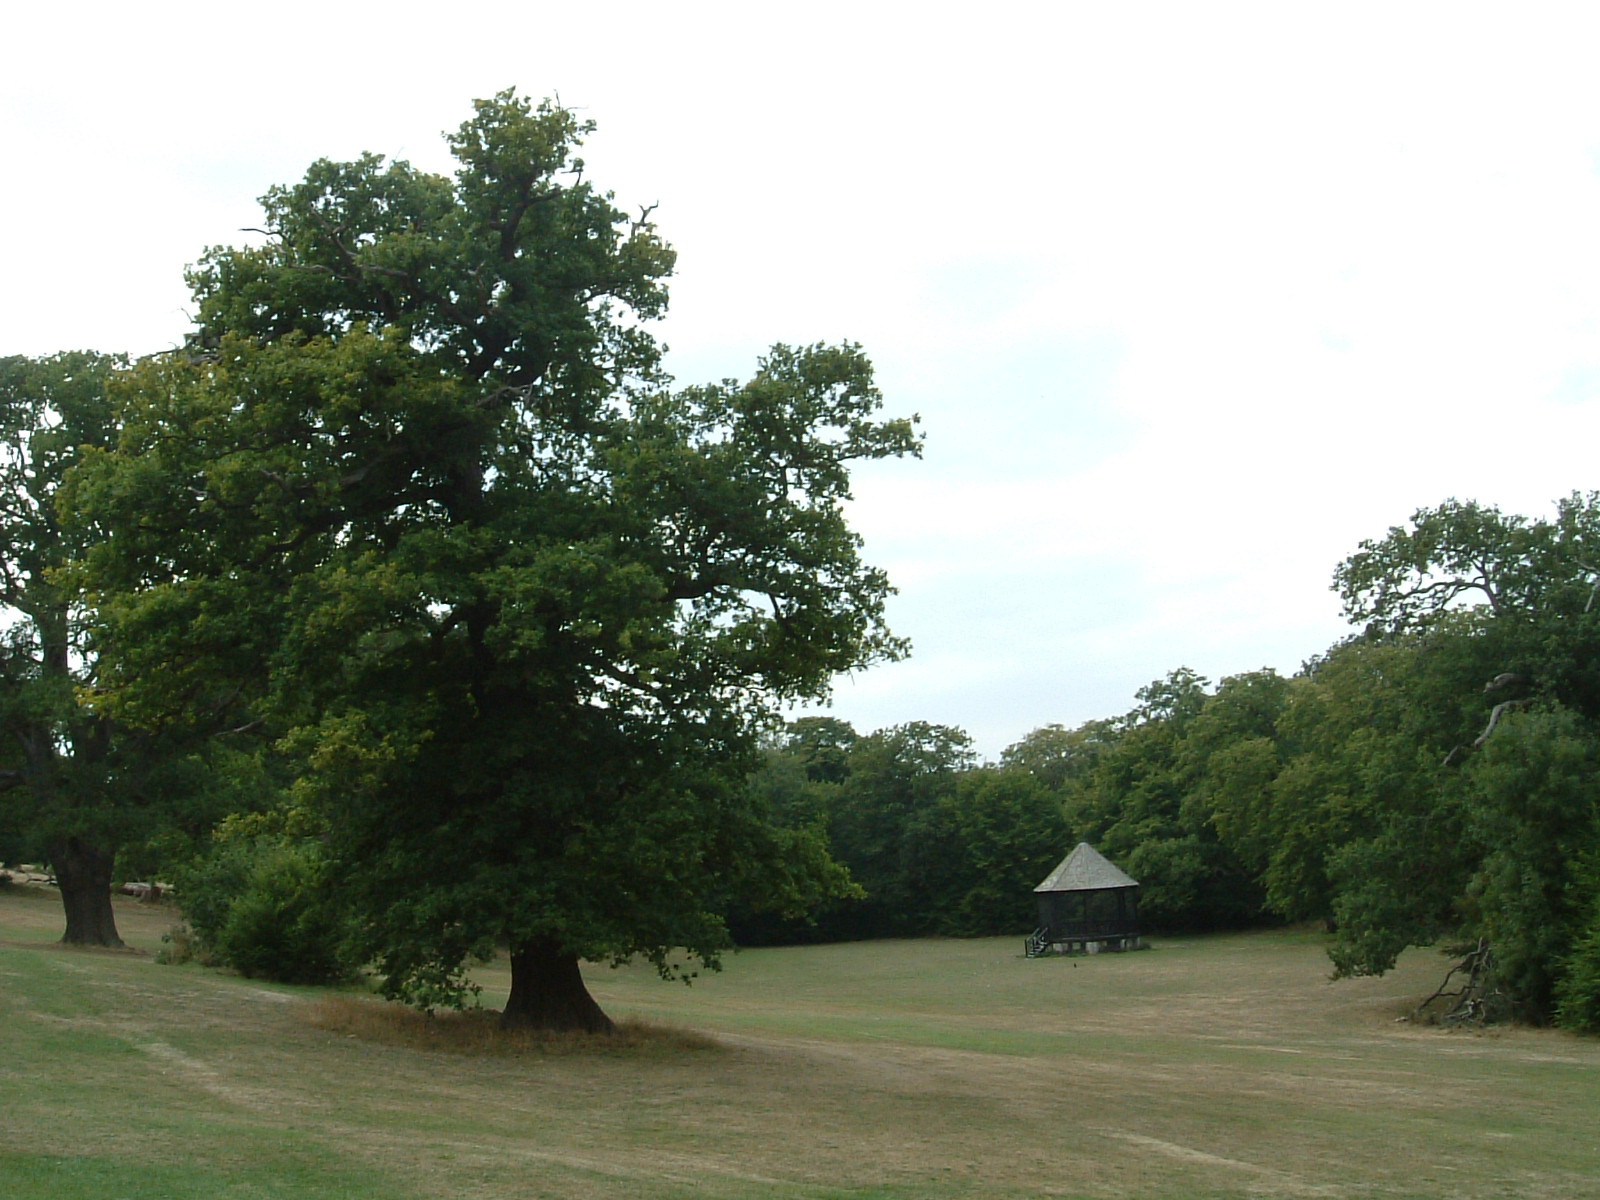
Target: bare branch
[
  {"x": 629, "y": 678},
  {"x": 1495, "y": 714},
  {"x": 1477, "y": 1001},
  {"x": 1498, "y": 711},
  {"x": 1595, "y": 589}
]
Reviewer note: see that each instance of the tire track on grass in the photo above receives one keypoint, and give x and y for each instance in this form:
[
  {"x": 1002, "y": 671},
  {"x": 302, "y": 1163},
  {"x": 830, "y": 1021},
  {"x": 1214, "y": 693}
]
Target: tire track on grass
[{"x": 1282, "y": 1182}]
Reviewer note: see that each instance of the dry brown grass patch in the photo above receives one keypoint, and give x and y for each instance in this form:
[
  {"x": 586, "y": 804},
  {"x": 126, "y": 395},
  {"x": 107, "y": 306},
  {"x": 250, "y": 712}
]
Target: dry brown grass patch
[{"x": 478, "y": 1032}]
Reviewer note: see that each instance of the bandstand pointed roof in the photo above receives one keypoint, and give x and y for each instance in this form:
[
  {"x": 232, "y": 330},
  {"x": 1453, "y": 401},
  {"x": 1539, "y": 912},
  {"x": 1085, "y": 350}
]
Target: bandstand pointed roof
[{"x": 1085, "y": 870}]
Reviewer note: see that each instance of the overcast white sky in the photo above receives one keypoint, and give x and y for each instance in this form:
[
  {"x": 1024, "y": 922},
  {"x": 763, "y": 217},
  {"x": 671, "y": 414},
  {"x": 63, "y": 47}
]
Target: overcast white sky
[{"x": 1191, "y": 297}]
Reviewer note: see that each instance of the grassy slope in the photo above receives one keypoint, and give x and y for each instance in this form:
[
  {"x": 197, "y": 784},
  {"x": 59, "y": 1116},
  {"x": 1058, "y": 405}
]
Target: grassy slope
[{"x": 1214, "y": 1067}]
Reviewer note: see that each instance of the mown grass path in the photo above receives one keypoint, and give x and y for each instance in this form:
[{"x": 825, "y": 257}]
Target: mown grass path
[{"x": 1214, "y": 1067}]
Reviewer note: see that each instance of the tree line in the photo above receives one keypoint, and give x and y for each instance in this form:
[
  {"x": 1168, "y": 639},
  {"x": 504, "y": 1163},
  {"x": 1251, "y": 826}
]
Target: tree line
[{"x": 1430, "y": 780}]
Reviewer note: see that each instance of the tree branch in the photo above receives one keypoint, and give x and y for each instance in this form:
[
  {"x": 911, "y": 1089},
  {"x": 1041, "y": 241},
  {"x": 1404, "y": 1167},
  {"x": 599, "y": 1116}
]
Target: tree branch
[
  {"x": 1495, "y": 714},
  {"x": 1498, "y": 711},
  {"x": 1595, "y": 588},
  {"x": 644, "y": 217}
]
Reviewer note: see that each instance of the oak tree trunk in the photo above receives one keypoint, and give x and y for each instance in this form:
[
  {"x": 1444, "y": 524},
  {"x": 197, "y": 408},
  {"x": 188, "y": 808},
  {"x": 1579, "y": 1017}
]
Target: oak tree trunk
[
  {"x": 83, "y": 873},
  {"x": 547, "y": 991}
]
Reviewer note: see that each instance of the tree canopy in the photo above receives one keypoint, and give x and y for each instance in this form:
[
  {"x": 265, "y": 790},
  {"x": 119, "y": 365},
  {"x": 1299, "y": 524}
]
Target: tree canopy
[
  {"x": 67, "y": 802},
  {"x": 418, "y": 502}
]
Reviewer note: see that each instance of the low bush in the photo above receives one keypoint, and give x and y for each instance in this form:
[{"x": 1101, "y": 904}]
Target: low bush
[
  {"x": 477, "y": 1032},
  {"x": 1578, "y": 992},
  {"x": 263, "y": 907}
]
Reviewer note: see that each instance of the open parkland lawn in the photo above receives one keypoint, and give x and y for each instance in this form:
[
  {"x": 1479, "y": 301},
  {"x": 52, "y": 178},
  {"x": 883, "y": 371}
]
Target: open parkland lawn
[{"x": 1206, "y": 1067}]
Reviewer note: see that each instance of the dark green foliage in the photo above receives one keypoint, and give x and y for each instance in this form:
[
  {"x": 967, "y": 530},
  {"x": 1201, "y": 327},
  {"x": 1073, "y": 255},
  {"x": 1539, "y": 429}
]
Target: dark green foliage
[
  {"x": 1395, "y": 890},
  {"x": 884, "y": 827},
  {"x": 1146, "y": 805},
  {"x": 1534, "y": 814},
  {"x": 1578, "y": 987},
  {"x": 995, "y": 836},
  {"x": 208, "y": 885},
  {"x": 1344, "y": 756},
  {"x": 516, "y": 271},
  {"x": 56, "y": 751},
  {"x": 798, "y": 798},
  {"x": 1461, "y": 553},
  {"x": 420, "y": 502},
  {"x": 821, "y": 746},
  {"x": 76, "y": 786},
  {"x": 1481, "y": 790},
  {"x": 265, "y": 906},
  {"x": 1059, "y": 758},
  {"x": 934, "y": 843}
]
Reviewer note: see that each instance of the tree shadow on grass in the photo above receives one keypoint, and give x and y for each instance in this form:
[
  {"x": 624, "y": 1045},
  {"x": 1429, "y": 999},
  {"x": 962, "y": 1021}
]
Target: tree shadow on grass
[{"x": 478, "y": 1032}]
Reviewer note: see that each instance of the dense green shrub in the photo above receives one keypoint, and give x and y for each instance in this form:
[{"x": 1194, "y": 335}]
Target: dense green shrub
[
  {"x": 1578, "y": 992},
  {"x": 263, "y": 907}
]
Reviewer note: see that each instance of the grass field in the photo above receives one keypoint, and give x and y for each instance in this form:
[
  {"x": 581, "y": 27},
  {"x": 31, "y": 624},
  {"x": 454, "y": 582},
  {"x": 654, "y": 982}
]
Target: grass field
[{"x": 1203, "y": 1068}]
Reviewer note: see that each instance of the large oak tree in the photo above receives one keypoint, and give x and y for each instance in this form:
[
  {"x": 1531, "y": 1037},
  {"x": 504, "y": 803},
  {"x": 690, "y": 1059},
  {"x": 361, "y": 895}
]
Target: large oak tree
[
  {"x": 1493, "y": 620},
  {"x": 417, "y": 500},
  {"x": 63, "y": 800}
]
